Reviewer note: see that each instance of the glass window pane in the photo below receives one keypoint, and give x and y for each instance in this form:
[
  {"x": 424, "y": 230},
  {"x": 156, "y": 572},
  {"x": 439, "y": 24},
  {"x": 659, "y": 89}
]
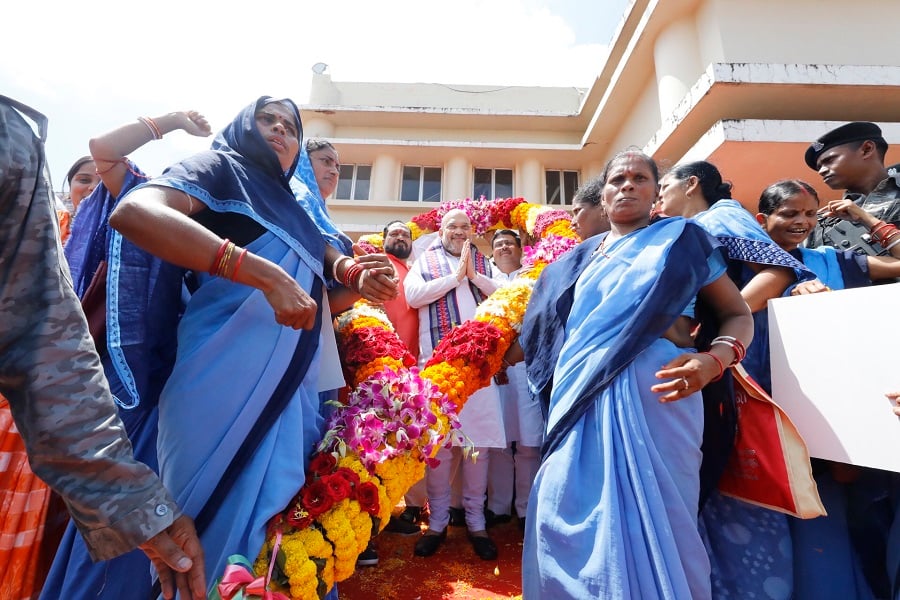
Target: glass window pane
[
  {"x": 345, "y": 180},
  {"x": 363, "y": 174},
  {"x": 431, "y": 187},
  {"x": 570, "y": 185},
  {"x": 409, "y": 187},
  {"x": 553, "y": 191},
  {"x": 482, "y": 184},
  {"x": 503, "y": 183}
]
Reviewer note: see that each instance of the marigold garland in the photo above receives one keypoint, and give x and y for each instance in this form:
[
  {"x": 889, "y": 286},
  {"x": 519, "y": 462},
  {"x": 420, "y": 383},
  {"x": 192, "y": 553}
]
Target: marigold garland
[{"x": 396, "y": 417}]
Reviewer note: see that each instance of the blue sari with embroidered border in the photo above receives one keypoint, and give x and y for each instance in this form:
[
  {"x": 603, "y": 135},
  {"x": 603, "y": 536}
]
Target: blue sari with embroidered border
[
  {"x": 613, "y": 511},
  {"x": 143, "y": 304},
  {"x": 750, "y": 546},
  {"x": 234, "y": 359},
  {"x": 746, "y": 242}
]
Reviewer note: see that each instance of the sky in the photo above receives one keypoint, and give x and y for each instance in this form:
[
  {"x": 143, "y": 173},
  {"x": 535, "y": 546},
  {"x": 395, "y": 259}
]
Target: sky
[{"x": 92, "y": 65}]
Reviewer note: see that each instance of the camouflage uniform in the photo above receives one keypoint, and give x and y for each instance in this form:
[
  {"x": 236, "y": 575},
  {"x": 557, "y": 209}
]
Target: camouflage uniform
[{"x": 49, "y": 369}]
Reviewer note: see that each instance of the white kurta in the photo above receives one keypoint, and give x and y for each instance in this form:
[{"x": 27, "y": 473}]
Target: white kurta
[
  {"x": 482, "y": 417},
  {"x": 522, "y": 416}
]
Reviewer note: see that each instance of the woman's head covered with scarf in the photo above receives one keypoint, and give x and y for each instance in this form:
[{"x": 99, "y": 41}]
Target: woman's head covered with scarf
[{"x": 268, "y": 133}]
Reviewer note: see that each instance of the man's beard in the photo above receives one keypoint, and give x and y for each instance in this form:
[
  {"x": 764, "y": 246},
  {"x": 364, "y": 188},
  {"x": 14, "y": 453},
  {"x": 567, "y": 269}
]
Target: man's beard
[{"x": 401, "y": 252}]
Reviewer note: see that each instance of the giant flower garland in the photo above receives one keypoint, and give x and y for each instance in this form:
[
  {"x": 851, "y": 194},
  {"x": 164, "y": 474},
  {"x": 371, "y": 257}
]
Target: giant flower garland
[{"x": 397, "y": 417}]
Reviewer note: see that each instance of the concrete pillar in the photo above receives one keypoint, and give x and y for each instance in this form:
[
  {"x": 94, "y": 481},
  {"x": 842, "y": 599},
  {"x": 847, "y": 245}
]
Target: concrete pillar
[
  {"x": 385, "y": 179},
  {"x": 529, "y": 181},
  {"x": 676, "y": 57},
  {"x": 457, "y": 179}
]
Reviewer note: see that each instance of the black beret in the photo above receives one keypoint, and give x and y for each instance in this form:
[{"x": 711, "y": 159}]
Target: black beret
[{"x": 858, "y": 131}]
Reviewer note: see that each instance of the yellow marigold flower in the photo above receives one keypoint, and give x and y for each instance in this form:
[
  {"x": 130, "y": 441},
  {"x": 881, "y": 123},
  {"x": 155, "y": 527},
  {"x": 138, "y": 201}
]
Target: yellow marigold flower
[
  {"x": 375, "y": 239},
  {"x": 340, "y": 532},
  {"x": 414, "y": 230},
  {"x": 328, "y": 573}
]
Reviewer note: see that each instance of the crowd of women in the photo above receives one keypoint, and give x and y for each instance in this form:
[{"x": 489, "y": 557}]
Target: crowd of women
[{"x": 215, "y": 268}]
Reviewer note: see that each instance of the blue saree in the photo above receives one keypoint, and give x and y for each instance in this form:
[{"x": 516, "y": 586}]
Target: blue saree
[
  {"x": 235, "y": 362},
  {"x": 746, "y": 242},
  {"x": 143, "y": 304},
  {"x": 613, "y": 511}
]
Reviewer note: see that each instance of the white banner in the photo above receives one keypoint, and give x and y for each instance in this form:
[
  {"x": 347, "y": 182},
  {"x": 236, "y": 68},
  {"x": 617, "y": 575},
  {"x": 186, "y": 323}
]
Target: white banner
[{"x": 834, "y": 356}]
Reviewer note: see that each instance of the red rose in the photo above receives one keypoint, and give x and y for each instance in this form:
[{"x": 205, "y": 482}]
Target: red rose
[
  {"x": 367, "y": 496},
  {"x": 338, "y": 487},
  {"x": 322, "y": 464},
  {"x": 315, "y": 498},
  {"x": 351, "y": 477}
]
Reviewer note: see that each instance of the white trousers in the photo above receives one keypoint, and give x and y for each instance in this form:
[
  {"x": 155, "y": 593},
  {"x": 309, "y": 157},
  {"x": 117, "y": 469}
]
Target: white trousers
[
  {"x": 473, "y": 477},
  {"x": 510, "y": 471}
]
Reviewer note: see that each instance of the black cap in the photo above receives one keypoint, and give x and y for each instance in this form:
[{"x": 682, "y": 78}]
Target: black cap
[{"x": 858, "y": 131}]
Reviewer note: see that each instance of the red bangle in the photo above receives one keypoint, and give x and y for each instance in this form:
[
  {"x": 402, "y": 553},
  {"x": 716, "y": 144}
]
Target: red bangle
[
  {"x": 885, "y": 234},
  {"x": 352, "y": 272},
  {"x": 152, "y": 126},
  {"x": 881, "y": 225},
  {"x": 878, "y": 225},
  {"x": 357, "y": 277},
  {"x": 736, "y": 346},
  {"x": 214, "y": 267},
  {"x": 888, "y": 234},
  {"x": 718, "y": 362},
  {"x": 237, "y": 265}
]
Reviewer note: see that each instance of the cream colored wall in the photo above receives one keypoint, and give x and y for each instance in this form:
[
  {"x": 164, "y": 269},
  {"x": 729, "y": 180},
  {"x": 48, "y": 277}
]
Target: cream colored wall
[
  {"x": 643, "y": 121},
  {"x": 810, "y": 31},
  {"x": 493, "y": 98},
  {"x": 317, "y": 128},
  {"x": 676, "y": 58}
]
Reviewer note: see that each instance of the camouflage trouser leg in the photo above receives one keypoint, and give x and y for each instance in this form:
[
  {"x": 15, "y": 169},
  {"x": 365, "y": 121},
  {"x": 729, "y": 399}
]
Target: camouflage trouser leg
[{"x": 49, "y": 369}]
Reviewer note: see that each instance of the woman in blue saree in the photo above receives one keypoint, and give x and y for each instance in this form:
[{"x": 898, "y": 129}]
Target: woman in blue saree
[
  {"x": 738, "y": 533},
  {"x": 239, "y": 415},
  {"x": 613, "y": 511},
  {"x": 844, "y": 554},
  {"x": 133, "y": 301}
]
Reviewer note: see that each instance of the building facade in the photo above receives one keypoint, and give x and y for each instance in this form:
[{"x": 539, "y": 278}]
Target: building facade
[{"x": 746, "y": 85}]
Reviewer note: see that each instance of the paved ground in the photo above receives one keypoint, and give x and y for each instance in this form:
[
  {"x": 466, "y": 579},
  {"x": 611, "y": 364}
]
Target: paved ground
[{"x": 453, "y": 572}]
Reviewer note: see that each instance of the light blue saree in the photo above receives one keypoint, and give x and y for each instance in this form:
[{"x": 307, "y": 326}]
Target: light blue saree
[{"x": 613, "y": 512}]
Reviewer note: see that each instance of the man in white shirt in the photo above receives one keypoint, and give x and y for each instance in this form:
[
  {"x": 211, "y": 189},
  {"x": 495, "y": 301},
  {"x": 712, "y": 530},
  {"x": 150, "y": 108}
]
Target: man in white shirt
[
  {"x": 445, "y": 284},
  {"x": 513, "y": 468}
]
